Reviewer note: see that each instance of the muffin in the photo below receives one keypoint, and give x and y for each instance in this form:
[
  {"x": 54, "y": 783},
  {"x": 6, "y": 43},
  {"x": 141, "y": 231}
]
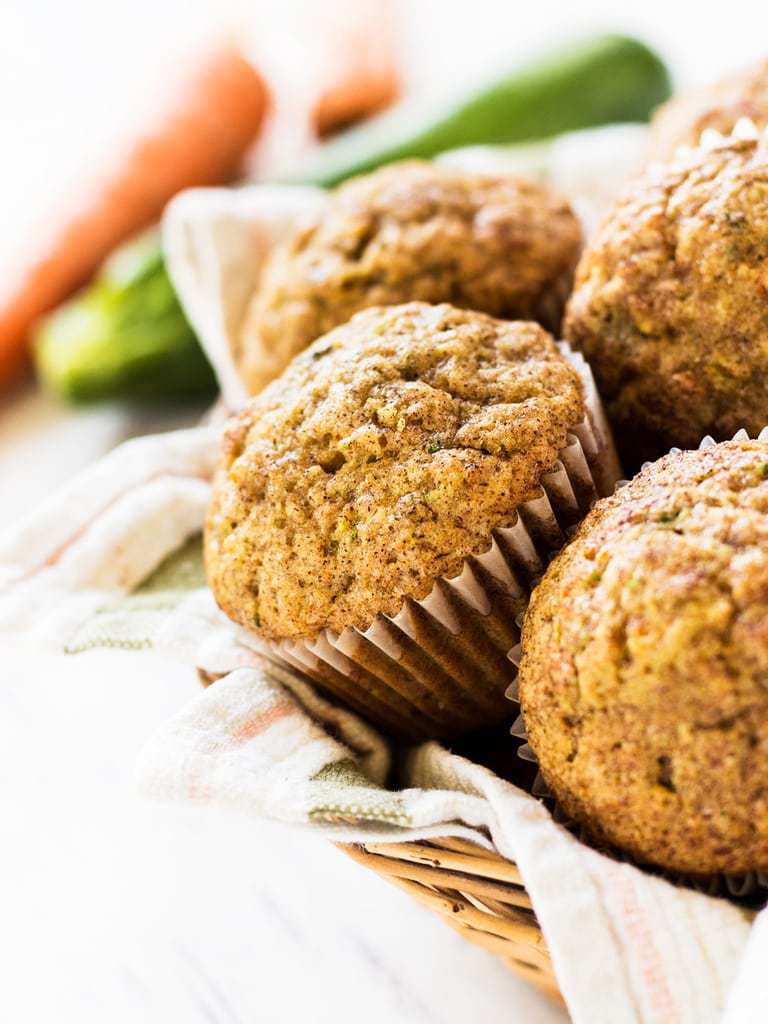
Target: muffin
[
  {"x": 670, "y": 303},
  {"x": 719, "y": 106},
  {"x": 644, "y": 674},
  {"x": 399, "y": 451},
  {"x": 413, "y": 231}
]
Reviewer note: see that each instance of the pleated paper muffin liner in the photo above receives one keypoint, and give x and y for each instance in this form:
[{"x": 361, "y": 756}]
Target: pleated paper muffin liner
[
  {"x": 439, "y": 667},
  {"x": 749, "y": 888}
]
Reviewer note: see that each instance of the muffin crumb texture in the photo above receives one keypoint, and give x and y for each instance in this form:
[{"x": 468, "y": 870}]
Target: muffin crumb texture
[
  {"x": 413, "y": 231},
  {"x": 385, "y": 455},
  {"x": 670, "y": 299},
  {"x": 644, "y": 677}
]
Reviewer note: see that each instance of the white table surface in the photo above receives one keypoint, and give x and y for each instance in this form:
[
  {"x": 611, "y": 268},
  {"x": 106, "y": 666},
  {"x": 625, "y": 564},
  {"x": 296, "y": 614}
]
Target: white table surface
[{"x": 114, "y": 909}]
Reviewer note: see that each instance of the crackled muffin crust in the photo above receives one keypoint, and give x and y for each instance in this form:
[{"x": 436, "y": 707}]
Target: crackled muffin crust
[
  {"x": 383, "y": 457},
  {"x": 413, "y": 231},
  {"x": 644, "y": 677},
  {"x": 670, "y": 304},
  {"x": 721, "y": 105}
]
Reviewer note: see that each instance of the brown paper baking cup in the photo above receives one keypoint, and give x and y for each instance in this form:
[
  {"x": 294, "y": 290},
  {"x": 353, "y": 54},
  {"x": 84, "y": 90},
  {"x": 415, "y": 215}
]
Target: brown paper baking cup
[
  {"x": 550, "y": 307},
  {"x": 748, "y": 888},
  {"x": 439, "y": 667}
]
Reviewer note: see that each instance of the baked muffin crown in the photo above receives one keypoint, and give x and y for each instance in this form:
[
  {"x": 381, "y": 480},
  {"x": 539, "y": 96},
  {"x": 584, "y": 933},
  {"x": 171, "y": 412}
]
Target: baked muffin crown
[
  {"x": 719, "y": 105},
  {"x": 644, "y": 677},
  {"x": 669, "y": 301},
  {"x": 385, "y": 455},
  {"x": 413, "y": 231}
]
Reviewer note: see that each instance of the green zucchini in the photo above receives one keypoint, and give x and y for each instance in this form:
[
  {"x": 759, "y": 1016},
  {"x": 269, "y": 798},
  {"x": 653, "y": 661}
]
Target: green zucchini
[
  {"x": 593, "y": 82},
  {"x": 125, "y": 336}
]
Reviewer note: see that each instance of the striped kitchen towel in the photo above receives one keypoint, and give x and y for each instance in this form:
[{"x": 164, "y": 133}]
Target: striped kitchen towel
[{"x": 114, "y": 561}]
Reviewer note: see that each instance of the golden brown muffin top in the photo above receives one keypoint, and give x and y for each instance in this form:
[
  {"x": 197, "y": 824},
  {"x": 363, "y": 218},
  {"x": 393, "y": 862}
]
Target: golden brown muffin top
[
  {"x": 383, "y": 457},
  {"x": 670, "y": 298},
  {"x": 644, "y": 679},
  {"x": 413, "y": 231},
  {"x": 681, "y": 120}
]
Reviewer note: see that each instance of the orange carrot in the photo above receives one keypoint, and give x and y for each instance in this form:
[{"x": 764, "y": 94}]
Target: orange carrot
[
  {"x": 362, "y": 74},
  {"x": 328, "y": 65},
  {"x": 200, "y": 140}
]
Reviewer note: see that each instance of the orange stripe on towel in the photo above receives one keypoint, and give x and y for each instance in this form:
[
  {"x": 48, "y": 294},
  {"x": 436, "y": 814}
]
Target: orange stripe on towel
[
  {"x": 640, "y": 931},
  {"x": 264, "y": 720}
]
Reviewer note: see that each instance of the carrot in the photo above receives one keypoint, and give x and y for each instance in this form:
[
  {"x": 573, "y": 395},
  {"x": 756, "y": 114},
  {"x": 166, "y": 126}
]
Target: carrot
[
  {"x": 361, "y": 74},
  {"x": 200, "y": 139},
  {"x": 328, "y": 65}
]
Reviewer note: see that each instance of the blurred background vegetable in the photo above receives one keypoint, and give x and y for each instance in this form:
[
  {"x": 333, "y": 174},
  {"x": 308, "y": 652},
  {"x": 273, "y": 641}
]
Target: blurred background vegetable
[
  {"x": 201, "y": 137},
  {"x": 589, "y": 83},
  {"x": 124, "y": 337},
  {"x": 205, "y": 127}
]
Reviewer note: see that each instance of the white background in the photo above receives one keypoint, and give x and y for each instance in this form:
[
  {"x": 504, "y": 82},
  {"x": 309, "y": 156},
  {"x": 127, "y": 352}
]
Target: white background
[{"x": 116, "y": 910}]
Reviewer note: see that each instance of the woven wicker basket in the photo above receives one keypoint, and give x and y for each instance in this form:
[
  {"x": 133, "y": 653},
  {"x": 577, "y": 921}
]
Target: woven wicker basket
[{"x": 479, "y": 894}]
